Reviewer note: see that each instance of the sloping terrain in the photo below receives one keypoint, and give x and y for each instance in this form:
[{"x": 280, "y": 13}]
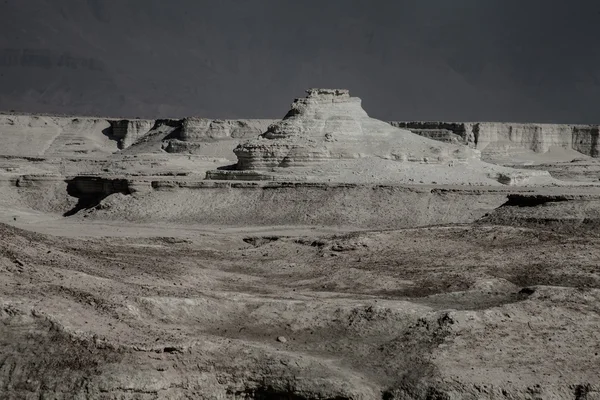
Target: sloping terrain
[
  {"x": 97, "y": 137},
  {"x": 441, "y": 312},
  {"x": 30, "y": 135},
  {"x": 92, "y": 137}
]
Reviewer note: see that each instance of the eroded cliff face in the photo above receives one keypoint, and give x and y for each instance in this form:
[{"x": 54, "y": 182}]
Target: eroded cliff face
[
  {"x": 329, "y": 124},
  {"x": 129, "y": 131},
  {"x": 539, "y": 138},
  {"x": 585, "y": 140},
  {"x": 218, "y": 129},
  {"x": 494, "y": 138},
  {"x": 202, "y": 135},
  {"x": 328, "y": 137},
  {"x": 49, "y": 135},
  {"x": 52, "y": 135},
  {"x": 36, "y": 135}
]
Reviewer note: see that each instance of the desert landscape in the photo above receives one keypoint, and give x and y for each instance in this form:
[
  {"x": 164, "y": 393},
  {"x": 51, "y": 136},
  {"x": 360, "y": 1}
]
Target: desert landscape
[{"x": 326, "y": 255}]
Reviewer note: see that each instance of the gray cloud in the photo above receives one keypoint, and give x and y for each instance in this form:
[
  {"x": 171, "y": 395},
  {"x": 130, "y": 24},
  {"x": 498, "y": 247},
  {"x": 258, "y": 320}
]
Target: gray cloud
[{"x": 501, "y": 60}]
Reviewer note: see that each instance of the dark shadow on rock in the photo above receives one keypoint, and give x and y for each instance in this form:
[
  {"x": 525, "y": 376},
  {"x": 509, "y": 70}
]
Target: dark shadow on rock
[
  {"x": 527, "y": 200},
  {"x": 109, "y": 133},
  {"x": 91, "y": 190},
  {"x": 176, "y": 134},
  {"x": 232, "y": 167}
]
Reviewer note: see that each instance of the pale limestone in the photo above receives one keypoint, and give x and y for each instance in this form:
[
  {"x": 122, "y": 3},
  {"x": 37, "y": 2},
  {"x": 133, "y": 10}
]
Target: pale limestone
[
  {"x": 330, "y": 125},
  {"x": 328, "y": 137},
  {"x": 497, "y": 138}
]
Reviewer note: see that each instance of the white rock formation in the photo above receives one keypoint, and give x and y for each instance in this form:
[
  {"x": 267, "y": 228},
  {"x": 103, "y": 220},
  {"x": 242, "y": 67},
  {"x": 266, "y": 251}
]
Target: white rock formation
[
  {"x": 539, "y": 138},
  {"x": 50, "y": 135},
  {"x": 585, "y": 140},
  {"x": 328, "y": 137},
  {"x": 36, "y": 135},
  {"x": 65, "y": 135},
  {"x": 330, "y": 125},
  {"x": 216, "y": 137},
  {"x": 129, "y": 131},
  {"x": 204, "y": 128},
  {"x": 496, "y": 138}
]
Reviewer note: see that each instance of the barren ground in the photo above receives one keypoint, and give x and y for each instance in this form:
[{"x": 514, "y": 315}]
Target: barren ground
[
  {"x": 474, "y": 311},
  {"x": 167, "y": 289}
]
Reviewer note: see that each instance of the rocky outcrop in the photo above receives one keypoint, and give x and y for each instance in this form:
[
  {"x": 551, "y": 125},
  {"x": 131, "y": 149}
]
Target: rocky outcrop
[
  {"x": 51, "y": 135},
  {"x": 539, "y": 138},
  {"x": 23, "y": 134},
  {"x": 328, "y": 137},
  {"x": 494, "y": 138},
  {"x": 36, "y": 135},
  {"x": 330, "y": 125},
  {"x": 463, "y": 132},
  {"x": 219, "y": 129},
  {"x": 200, "y": 134},
  {"x": 68, "y": 136},
  {"x": 128, "y": 131}
]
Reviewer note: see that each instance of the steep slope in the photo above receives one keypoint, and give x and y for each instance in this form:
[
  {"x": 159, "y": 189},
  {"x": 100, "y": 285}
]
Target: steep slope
[{"x": 62, "y": 136}]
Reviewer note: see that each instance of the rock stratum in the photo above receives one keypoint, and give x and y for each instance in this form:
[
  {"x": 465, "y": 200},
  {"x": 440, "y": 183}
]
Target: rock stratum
[
  {"x": 496, "y": 139},
  {"x": 328, "y": 136},
  {"x": 330, "y": 125},
  {"x": 51, "y": 135}
]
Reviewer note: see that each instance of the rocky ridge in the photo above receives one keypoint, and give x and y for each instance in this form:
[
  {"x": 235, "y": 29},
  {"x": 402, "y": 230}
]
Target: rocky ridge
[
  {"x": 328, "y": 136},
  {"x": 497, "y": 138},
  {"x": 66, "y": 135},
  {"x": 51, "y": 135},
  {"x": 329, "y": 124}
]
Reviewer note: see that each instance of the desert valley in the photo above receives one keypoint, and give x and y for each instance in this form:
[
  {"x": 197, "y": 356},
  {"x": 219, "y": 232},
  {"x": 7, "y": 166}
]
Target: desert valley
[{"x": 326, "y": 255}]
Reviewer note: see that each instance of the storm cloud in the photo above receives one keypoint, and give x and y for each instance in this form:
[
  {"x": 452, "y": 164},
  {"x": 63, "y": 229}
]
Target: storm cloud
[{"x": 460, "y": 60}]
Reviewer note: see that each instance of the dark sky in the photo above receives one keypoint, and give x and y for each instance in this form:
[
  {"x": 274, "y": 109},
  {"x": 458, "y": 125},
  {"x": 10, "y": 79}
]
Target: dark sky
[{"x": 484, "y": 60}]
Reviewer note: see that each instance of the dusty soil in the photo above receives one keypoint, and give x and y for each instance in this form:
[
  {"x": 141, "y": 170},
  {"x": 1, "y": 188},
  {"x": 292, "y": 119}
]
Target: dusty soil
[{"x": 468, "y": 311}]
